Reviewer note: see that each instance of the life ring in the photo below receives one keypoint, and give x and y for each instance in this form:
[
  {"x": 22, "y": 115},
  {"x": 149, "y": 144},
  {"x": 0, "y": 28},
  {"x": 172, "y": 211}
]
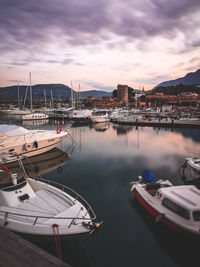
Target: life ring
[
  {"x": 59, "y": 129},
  {"x": 5, "y": 172}
]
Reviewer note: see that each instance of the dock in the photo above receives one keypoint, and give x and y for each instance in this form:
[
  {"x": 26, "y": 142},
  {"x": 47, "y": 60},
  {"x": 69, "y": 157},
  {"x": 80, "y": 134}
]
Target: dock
[
  {"x": 162, "y": 123},
  {"x": 15, "y": 251}
]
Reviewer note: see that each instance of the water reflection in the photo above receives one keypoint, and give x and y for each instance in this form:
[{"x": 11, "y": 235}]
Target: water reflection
[
  {"x": 35, "y": 122},
  {"x": 123, "y": 129},
  {"x": 101, "y": 127},
  {"x": 183, "y": 250},
  {"x": 100, "y": 169},
  {"x": 39, "y": 165}
]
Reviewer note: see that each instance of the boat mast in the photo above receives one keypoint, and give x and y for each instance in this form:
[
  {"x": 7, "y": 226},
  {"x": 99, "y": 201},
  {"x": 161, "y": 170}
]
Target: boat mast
[
  {"x": 45, "y": 100},
  {"x": 52, "y": 99},
  {"x": 79, "y": 96},
  {"x": 31, "y": 93},
  {"x": 18, "y": 95},
  {"x": 25, "y": 97},
  {"x": 72, "y": 96}
]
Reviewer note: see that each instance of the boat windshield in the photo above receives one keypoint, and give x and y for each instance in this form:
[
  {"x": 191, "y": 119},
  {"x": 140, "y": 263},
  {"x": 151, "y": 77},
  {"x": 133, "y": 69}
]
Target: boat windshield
[
  {"x": 12, "y": 130},
  {"x": 167, "y": 203}
]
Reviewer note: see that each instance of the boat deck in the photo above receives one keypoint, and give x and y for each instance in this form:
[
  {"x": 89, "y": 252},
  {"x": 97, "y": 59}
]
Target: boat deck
[{"x": 44, "y": 204}]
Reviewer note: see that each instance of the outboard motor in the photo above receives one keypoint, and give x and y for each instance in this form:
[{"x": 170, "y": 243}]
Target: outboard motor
[{"x": 147, "y": 176}]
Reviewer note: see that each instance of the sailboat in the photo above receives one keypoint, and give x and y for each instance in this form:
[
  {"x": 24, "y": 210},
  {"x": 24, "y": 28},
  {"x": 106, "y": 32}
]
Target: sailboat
[
  {"x": 33, "y": 115},
  {"x": 16, "y": 110}
]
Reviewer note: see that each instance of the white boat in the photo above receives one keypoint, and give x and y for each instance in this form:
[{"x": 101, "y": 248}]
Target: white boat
[
  {"x": 35, "y": 116},
  {"x": 176, "y": 207},
  {"x": 16, "y": 139},
  {"x": 99, "y": 116},
  {"x": 81, "y": 116},
  {"x": 16, "y": 111},
  {"x": 41, "y": 207}
]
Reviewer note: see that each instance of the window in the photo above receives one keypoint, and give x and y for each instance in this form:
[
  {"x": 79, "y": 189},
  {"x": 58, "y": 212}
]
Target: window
[
  {"x": 176, "y": 208},
  {"x": 196, "y": 215}
]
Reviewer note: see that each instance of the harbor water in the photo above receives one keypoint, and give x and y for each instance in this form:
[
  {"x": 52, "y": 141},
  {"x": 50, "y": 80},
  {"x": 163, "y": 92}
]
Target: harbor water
[{"x": 102, "y": 162}]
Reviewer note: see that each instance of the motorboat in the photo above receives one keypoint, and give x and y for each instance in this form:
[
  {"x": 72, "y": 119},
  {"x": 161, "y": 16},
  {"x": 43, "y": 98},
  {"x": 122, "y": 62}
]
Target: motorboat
[
  {"x": 16, "y": 111},
  {"x": 176, "y": 207},
  {"x": 190, "y": 171},
  {"x": 42, "y": 207},
  {"x": 82, "y": 116},
  {"x": 99, "y": 117},
  {"x": 35, "y": 116},
  {"x": 21, "y": 141}
]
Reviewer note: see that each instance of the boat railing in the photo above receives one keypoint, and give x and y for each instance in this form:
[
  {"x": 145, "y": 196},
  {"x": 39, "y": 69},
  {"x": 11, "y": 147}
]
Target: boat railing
[
  {"x": 36, "y": 218},
  {"x": 74, "y": 196}
]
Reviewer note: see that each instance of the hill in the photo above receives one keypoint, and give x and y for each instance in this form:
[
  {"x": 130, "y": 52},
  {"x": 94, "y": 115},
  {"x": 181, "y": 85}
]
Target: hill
[
  {"x": 59, "y": 91},
  {"x": 192, "y": 78}
]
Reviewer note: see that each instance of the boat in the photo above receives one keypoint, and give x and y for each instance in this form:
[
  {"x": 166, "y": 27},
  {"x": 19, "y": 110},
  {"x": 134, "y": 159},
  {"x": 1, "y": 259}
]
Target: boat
[
  {"x": 35, "y": 116},
  {"x": 19, "y": 140},
  {"x": 16, "y": 111},
  {"x": 42, "y": 207},
  {"x": 82, "y": 116},
  {"x": 177, "y": 207},
  {"x": 191, "y": 171},
  {"x": 99, "y": 117}
]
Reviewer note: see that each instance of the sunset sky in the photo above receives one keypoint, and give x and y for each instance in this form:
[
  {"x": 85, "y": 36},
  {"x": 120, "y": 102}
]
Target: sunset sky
[{"x": 98, "y": 43}]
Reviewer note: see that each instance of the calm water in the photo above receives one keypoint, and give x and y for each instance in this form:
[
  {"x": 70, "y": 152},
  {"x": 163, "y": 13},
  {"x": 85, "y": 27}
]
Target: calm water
[{"x": 102, "y": 164}]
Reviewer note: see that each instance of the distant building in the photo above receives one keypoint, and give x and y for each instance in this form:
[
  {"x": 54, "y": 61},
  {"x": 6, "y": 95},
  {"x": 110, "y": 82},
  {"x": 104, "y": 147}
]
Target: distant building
[{"x": 122, "y": 93}]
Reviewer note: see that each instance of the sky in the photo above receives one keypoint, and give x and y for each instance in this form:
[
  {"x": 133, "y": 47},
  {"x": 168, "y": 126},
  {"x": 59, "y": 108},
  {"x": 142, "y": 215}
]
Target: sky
[{"x": 98, "y": 43}]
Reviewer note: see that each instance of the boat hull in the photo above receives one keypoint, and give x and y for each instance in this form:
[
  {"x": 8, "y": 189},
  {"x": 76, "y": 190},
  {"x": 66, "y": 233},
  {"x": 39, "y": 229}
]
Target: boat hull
[
  {"x": 163, "y": 220},
  {"x": 33, "y": 146},
  {"x": 99, "y": 119}
]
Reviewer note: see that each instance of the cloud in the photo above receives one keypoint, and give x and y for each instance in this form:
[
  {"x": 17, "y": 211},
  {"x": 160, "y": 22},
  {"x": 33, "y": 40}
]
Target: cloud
[
  {"x": 34, "y": 25},
  {"x": 153, "y": 79},
  {"x": 15, "y": 81},
  {"x": 96, "y": 85}
]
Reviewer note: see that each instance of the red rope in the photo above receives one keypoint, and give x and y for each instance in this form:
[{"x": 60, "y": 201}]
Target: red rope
[{"x": 57, "y": 240}]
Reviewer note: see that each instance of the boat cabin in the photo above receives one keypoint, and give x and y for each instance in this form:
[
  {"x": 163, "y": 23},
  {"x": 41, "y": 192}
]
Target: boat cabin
[{"x": 181, "y": 200}]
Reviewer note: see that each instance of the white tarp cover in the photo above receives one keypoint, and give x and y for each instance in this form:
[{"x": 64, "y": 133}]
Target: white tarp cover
[{"x": 12, "y": 130}]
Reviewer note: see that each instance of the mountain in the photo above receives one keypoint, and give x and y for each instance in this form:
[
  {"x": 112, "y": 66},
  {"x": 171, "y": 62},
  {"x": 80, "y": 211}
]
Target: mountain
[
  {"x": 10, "y": 94},
  {"x": 95, "y": 93},
  {"x": 192, "y": 78}
]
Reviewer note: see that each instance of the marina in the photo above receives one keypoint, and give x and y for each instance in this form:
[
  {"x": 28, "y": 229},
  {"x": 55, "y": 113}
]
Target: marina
[
  {"x": 99, "y": 133},
  {"x": 101, "y": 166}
]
